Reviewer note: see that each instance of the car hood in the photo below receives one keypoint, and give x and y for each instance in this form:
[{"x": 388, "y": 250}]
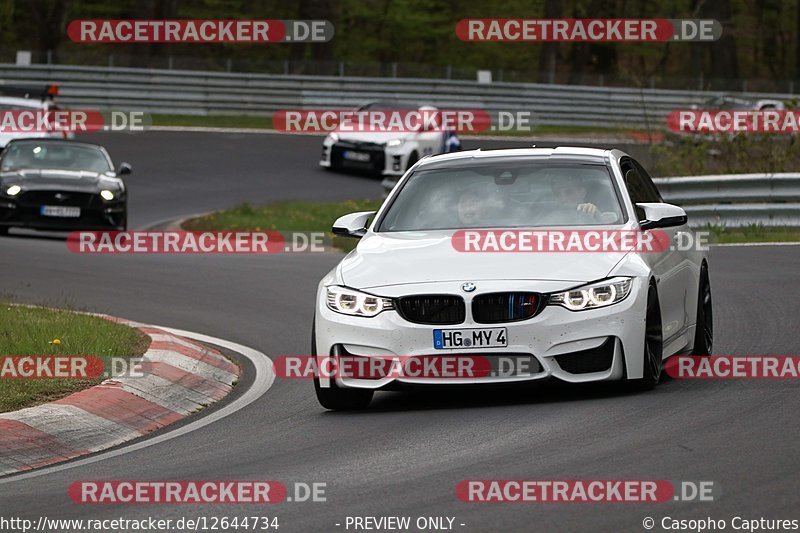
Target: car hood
[
  {"x": 377, "y": 137},
  {"x": 395, "y": 258},
  {"x": 62, "y": 180}
]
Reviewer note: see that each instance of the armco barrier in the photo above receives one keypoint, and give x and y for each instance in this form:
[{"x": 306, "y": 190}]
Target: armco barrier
[
  {"x": 731, "y": 200},
  {"x": 205, "y": 93},
  {"x": 736, "y": 199}
]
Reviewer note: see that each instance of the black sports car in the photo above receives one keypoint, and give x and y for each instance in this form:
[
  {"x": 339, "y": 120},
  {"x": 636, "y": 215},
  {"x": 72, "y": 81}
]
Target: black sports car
[{"x": 54, "y": 184}]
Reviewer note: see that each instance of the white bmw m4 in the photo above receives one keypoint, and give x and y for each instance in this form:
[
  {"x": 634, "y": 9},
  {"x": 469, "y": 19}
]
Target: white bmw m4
[{"x": 411, "y": 290}]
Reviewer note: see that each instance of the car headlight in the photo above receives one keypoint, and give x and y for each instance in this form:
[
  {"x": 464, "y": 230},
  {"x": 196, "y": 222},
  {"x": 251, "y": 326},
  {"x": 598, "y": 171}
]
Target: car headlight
[
  {"x": 356, "y": 303},
  {"x": 395, "y": 143},
  {"x": 333, "y": 137},
  {"x": 594, "y": 295},
  {"x": 13, "y": 190},
  {"x": 107, "y": 195}
]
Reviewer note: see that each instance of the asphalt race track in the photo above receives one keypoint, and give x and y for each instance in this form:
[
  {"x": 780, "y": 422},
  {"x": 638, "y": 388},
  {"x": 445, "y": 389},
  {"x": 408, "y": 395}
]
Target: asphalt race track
[{"x": 407, "y": 453}]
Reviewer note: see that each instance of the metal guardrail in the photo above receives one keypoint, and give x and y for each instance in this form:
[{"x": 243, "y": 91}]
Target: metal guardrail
[
  {"x": 736, "y": 199},
  {"x": 732, "y": 200},
  {"x": 206, "y": 93}
]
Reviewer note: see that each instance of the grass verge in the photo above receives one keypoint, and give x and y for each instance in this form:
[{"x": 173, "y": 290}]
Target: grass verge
[
  {"x": 32, "y": 331},
  {"x": 284, "y": 216},
  {"x": 262, "y": 122},
  {"x": 752, "y": 233},
  {"x": 319, "y": 216},
  {"x": 214, "y": 121}
]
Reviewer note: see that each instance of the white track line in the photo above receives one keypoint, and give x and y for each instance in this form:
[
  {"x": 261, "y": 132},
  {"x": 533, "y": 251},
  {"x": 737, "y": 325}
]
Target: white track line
[
  {"x": 532, "y": 137},
  {"x": 746, "y": 244},
  {"x": 212, "y": 129},
  {"x": 264, "y": 378}
]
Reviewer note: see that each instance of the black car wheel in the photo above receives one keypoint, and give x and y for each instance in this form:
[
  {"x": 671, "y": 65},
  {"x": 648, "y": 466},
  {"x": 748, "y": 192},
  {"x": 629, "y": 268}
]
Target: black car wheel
[
  {"x": 704, "y": 329},
  {"x": 653, "y": 345}
]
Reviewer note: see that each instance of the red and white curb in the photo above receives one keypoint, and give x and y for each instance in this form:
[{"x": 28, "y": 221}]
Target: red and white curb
[{"x": 178, "y": 377}]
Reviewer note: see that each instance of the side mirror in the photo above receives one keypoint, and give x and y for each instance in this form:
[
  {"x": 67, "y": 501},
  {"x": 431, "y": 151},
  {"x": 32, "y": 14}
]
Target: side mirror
[
  {"x": 658, "y": 215},
  {"x": 352, "y": 225},
  {"x": 124, "y": 168}
]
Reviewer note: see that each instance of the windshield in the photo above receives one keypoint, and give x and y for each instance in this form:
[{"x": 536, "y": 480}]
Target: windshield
[
  {"x": 728, "y": 103},
  {"x": 61, "y": 156},
  {"x": 505, "y": 196}
]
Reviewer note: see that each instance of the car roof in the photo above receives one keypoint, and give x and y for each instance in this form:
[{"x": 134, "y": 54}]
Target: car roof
[{"x": 588, "y": 155}]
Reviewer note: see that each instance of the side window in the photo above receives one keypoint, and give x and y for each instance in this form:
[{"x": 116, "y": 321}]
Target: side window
[
  {"x": 640, "y": 189},
  {"x": 648, "y": 181}
]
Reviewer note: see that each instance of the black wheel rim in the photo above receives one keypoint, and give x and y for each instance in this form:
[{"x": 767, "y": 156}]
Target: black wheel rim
[{"x": 653, "y": 338}]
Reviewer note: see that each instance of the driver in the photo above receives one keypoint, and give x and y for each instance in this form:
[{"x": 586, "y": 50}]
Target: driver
[{"x": 571, "y": 193}]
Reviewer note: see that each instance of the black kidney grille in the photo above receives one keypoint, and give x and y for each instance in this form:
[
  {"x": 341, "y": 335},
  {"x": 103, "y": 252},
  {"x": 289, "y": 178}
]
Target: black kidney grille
[
  {"x": 499, "y": 307},
  {"x": 432, "y": 309}
]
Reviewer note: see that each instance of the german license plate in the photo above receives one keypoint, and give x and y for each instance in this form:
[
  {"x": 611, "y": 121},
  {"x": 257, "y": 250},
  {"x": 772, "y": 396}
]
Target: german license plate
[
  {"x": 451, "y": 339},
  {"x": 60, "y": 211},
  {"x": 355, "y": 156}
]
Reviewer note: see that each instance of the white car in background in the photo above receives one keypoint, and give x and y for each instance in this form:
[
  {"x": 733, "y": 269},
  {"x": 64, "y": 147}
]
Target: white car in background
[
  {"x": 732, "y": 103},
  {"x": 385, "y": 153},
  {"x": 13, "y": 98},
  {"x": 578, "y": 316}
]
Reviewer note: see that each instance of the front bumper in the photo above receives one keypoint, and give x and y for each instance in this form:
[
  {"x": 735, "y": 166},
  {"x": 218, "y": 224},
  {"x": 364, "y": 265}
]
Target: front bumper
[
  {"x": 584, "y": 346},
  {"x": 375, "y": 158},
  {"x": 109, "y": 216}
]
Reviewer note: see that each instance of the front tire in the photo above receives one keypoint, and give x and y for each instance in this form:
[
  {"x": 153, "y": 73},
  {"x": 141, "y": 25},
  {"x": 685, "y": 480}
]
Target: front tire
[
  {"x": 333, "y": 397},
  {"x": 704, "y": 325},
  {"x": 653, "y": 345}
]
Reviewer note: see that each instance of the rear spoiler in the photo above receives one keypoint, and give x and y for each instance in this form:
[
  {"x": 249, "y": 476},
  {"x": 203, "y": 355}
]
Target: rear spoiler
[{"x": 40, "y": 92}]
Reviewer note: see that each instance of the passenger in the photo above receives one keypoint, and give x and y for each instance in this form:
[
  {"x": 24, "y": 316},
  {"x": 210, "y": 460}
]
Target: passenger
[{"x": 471, "y": 207}]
